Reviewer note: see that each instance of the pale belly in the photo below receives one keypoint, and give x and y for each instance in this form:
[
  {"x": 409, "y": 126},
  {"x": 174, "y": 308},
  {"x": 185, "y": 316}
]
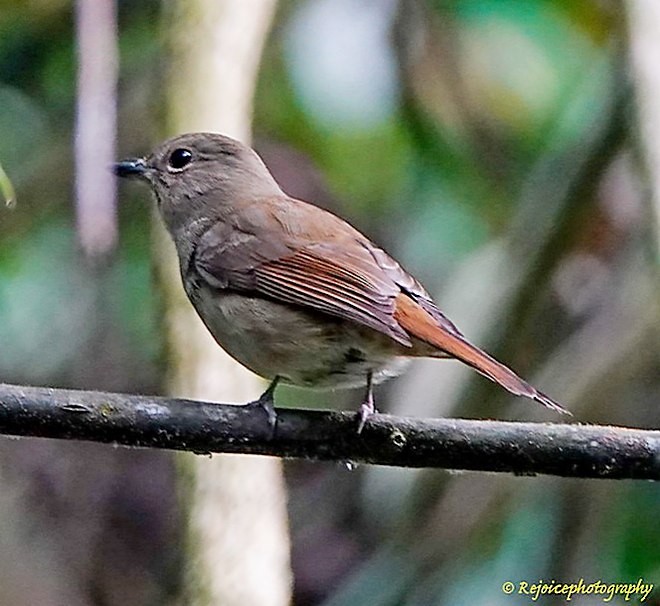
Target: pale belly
[{"x": 302, "y": 348}]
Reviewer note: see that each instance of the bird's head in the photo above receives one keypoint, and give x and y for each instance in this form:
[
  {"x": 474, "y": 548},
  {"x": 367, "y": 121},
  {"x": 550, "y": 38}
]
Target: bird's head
[{"x": 200, "y": 175}]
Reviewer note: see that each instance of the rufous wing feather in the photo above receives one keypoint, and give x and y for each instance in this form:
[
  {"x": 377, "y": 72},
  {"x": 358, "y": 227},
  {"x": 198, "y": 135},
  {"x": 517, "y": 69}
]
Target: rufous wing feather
[{"x": 421, "y": 325}]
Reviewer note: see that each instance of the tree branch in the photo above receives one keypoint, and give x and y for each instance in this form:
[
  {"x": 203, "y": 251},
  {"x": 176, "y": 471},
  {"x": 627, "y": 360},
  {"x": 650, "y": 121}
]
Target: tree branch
[{"x": 586, "y": 451}]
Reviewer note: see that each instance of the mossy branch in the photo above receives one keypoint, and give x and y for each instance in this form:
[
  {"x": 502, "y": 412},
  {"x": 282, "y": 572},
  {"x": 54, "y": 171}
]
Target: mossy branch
[{"x": 586, "y": 451}]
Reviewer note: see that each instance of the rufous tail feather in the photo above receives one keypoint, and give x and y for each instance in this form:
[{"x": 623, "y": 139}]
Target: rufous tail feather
[{"x": 421, "y": 325}]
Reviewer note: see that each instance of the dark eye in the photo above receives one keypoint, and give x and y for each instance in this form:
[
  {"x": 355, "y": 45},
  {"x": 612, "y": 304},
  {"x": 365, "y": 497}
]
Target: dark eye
[{"x": 180, "y": 158}]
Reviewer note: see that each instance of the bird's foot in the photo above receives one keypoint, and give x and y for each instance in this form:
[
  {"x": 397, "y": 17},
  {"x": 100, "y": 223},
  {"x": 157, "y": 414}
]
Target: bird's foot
[
  {"x": 367, "y": 408},
  {"x": 266, "y": 402}
]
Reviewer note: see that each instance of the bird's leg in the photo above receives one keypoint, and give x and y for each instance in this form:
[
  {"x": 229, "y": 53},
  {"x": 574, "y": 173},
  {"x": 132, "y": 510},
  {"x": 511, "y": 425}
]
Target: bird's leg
[
  {"x": 367, "y": 408},
  {"x": 266, "y": 402}
]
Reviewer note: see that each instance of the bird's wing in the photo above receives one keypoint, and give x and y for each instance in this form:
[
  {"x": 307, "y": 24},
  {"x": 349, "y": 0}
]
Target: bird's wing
[{"x": 301, "y": 255}]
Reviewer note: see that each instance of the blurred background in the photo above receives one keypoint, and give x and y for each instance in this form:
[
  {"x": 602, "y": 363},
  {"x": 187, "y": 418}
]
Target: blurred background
[{"x": 493, "y": 147}]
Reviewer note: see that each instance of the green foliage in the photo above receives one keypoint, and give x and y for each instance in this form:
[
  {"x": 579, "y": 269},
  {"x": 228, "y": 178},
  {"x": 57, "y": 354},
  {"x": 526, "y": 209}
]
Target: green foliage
[{"x": 7, "y": 189}]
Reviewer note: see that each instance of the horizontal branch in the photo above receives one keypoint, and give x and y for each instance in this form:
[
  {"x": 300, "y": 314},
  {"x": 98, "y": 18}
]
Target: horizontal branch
[{"x": 587, "y": 451}]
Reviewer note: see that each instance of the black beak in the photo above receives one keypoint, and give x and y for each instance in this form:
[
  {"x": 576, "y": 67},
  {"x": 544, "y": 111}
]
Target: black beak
[{"x": 130, "y": 168}]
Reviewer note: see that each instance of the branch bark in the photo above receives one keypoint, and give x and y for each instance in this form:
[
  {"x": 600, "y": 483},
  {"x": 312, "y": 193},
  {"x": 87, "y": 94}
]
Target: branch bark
[{"x": 569, "y": 450}]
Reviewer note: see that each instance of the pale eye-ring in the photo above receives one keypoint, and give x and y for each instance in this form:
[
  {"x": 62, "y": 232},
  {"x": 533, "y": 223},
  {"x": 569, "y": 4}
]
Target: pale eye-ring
[{"x": 180, "y": 158}]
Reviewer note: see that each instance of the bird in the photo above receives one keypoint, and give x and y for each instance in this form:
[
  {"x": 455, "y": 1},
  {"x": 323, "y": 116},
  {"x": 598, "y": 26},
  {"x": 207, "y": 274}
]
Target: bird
[{"x": 290, "y": 290}]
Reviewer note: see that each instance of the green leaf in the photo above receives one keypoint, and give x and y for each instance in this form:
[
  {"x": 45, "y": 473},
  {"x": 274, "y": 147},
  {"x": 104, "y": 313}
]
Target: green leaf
[{"x": 7, "y": 189}]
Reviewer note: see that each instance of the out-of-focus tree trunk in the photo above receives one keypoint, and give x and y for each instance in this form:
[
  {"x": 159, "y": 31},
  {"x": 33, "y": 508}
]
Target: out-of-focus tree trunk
[
  {"x": 238, "y": 547},
  {"x": 644, "y": 23},
  {"x": 96, "y": 124}
]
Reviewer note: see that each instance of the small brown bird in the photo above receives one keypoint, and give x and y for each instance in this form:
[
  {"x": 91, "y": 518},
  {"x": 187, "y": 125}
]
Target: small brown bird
[{"x": 289, "y": 290}]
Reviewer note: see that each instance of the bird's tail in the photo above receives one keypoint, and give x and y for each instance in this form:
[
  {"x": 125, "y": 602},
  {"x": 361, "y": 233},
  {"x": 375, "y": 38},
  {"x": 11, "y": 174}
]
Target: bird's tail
[{"x": 422, "y": 325}]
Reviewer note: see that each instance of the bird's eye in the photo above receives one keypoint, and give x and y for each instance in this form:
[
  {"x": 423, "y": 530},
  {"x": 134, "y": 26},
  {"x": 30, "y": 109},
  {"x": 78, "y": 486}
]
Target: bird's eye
[{"x": 180, "y": 158}]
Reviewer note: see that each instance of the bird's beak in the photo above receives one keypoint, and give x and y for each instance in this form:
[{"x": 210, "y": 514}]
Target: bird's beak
[{"x": 130, "y": 168}]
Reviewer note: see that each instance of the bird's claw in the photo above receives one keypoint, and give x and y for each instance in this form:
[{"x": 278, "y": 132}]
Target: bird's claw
[
  {"x": 366, "y": 410},
  {"x": 266, "y": 402},
  {"x": 267, "y": 405}
]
